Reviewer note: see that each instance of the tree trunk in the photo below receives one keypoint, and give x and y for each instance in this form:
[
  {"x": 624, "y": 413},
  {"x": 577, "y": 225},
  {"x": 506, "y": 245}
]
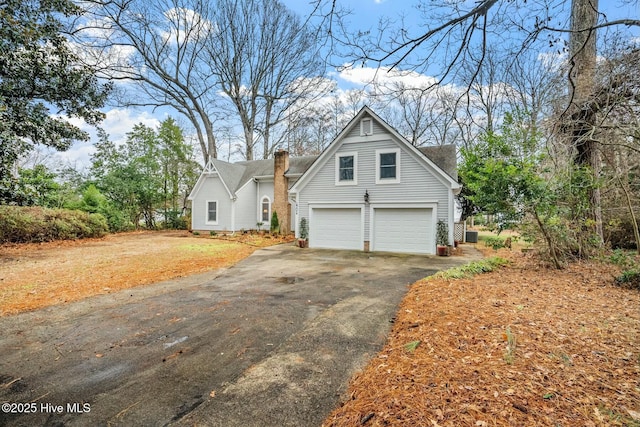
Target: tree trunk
[
  {"x": 582, "y": 43},
  {"x": 547, "y": 237}
]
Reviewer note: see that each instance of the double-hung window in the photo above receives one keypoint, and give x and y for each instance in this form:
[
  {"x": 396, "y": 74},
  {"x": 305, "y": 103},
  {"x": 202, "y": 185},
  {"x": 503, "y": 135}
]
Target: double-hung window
[
  {"x": 387, "y": 166},
  {"x": 346, "y": 169},
  {"x": 212, "y": 212}
]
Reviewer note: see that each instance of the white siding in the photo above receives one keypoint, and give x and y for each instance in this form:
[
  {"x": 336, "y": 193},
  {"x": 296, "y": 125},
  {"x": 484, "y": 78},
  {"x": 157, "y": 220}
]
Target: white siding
[
  {"x": 355, "y": 130},
  {"x": 417, "y": 182},
  {"x": 246, "y": 207},
  {"x": 211, "y": 189},
  {"x": 263, "y": 188}
]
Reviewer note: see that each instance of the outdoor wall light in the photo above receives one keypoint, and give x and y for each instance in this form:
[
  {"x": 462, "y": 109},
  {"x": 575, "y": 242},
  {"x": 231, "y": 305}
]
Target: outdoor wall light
[{"x": 366, "y": 196}]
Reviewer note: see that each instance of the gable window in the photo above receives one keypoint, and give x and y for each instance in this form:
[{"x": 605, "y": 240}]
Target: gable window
[
  {"x": 388, "y": 166},
  {"x": 212, "y": 212},
  {"x": 346, "y": 169},
  {"x": 366, "y": 127},
  {"x": 265, "y": 213}
]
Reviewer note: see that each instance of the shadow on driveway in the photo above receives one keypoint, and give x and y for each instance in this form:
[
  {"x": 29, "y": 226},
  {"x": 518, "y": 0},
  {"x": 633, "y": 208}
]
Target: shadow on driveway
[{"x": 270, "y": 341}]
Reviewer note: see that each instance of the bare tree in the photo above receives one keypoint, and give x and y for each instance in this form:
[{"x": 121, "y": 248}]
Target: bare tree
[
  {"x": 156, "y": 50},
  {"x": 200, "y": 58},
  {"x": 458, "y": 33},
  {"x": 264, "y": 59}
]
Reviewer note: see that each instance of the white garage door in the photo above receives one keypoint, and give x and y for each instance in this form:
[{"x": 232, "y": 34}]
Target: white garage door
[
  {"x": 336, "y": 228},
  {"x": 407, "y": 230}
]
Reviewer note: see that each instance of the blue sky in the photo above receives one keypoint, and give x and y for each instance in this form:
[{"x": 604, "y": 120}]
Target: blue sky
[{"x": 366, "y": 14}]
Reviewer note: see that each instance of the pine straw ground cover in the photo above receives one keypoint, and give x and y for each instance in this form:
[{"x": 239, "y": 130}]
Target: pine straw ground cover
[
  {"x": 521, "y": 346},
  {"x": 35, "y": 275}
]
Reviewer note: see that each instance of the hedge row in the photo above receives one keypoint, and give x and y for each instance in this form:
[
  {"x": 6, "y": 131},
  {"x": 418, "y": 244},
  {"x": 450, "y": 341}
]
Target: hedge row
[{"x": 34, "y": 224}]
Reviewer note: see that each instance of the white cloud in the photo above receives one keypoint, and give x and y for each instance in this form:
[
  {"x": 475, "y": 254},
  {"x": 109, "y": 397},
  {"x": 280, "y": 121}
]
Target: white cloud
[
  {"x": 383, "y": 75},
  {"x": 185, "y": 25}
]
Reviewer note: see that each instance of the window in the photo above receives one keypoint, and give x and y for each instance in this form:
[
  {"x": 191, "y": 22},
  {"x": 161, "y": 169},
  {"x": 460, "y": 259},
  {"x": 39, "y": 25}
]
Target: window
[
  {"x": 346, "y": 169},
  {"x": 388, "y": 166},
  {"x": 266, "y": 210},
  {"x": 212, "y": 212},
  {"x": 366, "y": 127}
]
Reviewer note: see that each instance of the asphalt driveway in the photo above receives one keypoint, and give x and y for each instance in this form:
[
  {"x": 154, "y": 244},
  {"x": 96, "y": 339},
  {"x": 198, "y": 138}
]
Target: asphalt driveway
[{"x": 270, "y": 341}]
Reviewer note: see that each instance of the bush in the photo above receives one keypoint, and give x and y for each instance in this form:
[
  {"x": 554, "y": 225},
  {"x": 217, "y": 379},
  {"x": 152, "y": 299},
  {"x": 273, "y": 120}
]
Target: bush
[
  {"x": 493, "y": 242},
  {"x": 629, "y": 279},
  {"x": 176, "y": 221},
  {"x": 275, "y": 224},
  {"x": 473, "y": 268},
  {"x": 35, "y": 224},
  {"x": 304, "y": 228},
  {"x": 619, "y": 233},
  {"x": 442, "y": 233}
]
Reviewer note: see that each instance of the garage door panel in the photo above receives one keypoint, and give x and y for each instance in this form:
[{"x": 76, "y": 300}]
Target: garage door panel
[
  {"x": 336, "y": 228},
  {"x": 407, "y": 230}
]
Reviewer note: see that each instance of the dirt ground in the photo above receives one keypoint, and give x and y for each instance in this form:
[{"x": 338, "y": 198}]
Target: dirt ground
[
  {"x": 523, "y": 346},
  {"x": 38, "y": 275}
]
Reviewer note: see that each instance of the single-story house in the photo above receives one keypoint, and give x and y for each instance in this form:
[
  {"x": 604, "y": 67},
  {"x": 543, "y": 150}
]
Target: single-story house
[{"x": 369, "y": 190}]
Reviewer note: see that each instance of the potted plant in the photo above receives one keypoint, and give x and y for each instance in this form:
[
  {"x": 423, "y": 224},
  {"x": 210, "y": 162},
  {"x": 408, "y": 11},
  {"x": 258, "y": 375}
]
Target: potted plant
[
  {"x": 304, "y": 233},
  {"x": 442, "y": 238}
]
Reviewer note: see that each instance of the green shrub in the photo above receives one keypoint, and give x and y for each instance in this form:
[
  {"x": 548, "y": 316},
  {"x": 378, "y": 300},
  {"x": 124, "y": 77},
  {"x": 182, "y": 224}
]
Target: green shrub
[
  {"x": 622, "y": 258},
  {"x": 473, "y": 268},
  {"x": 275, "y": 224},
  {"x": 442, "y": 233},
  {"x": 629, "y": 279},
  {"x": 304, "y": 228},
  {"x": 494, "y": 242},
  {"x": 35, "y": 224}
]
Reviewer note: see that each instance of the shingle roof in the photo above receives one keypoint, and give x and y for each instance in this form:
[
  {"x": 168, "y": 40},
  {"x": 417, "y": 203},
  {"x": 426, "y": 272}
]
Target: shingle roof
[
  {"x": 444, "y": 156},
  {"x": 229, "y": 172},
  {"x": 298, "y": 165},
  {"x": 235, "y": 175}
]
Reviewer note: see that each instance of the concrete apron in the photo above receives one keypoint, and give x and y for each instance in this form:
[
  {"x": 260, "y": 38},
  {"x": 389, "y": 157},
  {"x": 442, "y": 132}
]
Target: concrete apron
[{"x": 270, "y": 341}]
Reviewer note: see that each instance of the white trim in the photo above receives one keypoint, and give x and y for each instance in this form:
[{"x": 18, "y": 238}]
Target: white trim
[
  {"x": 353, "y": 154},
  {"x": 206, "y": 214},
  {"x": 267, "y": 221},
  {"x": 398, "y": 154},
  {"x": 244, "y": 185},
  {"x": 340, "y": 139},
  {"x": 366, "y": 126}
]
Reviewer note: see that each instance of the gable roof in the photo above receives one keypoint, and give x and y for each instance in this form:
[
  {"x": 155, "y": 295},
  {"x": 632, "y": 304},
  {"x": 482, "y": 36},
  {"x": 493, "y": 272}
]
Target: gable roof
[
  {"x": 442, "y": 159},
  {"x": 235, "y": 175}
]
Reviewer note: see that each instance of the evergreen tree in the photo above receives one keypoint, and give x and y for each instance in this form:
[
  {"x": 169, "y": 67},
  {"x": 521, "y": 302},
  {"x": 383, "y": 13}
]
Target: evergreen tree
[{"x": 39, "y": 77}]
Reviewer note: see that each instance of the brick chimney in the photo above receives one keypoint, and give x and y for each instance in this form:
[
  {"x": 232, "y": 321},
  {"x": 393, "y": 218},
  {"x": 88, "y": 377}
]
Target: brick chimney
[{"x": 281, "y": 203}]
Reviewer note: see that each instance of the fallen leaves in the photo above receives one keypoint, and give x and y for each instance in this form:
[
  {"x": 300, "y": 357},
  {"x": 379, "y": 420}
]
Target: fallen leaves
[
  {"x": 577, "y": 359},
  {"x": 39, "y": 275}
]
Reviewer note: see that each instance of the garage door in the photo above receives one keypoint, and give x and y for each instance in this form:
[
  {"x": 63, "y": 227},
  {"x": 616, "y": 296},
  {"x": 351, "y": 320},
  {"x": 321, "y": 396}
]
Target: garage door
[
  {"x": 336, "y": 228},
  {"x": 407, "y": 230}
]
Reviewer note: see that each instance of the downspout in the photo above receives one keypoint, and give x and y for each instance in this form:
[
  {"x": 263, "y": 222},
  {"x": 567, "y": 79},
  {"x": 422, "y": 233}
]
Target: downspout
[{"x": 233, "y": 215}]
